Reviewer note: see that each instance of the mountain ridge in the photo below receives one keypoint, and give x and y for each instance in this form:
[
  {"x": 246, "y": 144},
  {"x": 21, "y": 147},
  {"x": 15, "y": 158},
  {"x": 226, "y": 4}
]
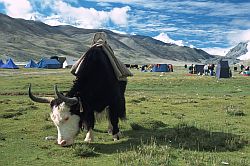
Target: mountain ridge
[
  {"x": 27, "y": 39},
  {"x": 241, "y": 51}
]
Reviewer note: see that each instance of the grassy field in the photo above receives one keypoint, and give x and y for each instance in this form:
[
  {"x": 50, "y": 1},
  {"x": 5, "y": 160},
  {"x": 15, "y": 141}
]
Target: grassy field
[{"x": 172, "y": 119}]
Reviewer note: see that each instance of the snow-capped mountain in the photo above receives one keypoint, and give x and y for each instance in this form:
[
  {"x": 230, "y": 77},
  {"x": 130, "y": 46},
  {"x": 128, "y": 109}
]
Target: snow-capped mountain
[{"x": 241, "y": 51}]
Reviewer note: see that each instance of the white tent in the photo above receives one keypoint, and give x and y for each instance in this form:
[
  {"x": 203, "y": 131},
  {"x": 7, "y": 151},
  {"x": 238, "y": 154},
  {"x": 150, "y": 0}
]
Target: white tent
[{"x": 69, "y": 62}]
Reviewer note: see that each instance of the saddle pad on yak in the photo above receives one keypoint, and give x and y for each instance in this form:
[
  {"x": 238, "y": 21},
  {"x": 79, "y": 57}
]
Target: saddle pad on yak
[{"x": 120, "y": 69}]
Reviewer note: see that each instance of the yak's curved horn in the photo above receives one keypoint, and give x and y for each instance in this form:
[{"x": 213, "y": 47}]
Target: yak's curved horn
[
  {"x": 39, "y": 99},
  {"x": 67, "y": 100}
]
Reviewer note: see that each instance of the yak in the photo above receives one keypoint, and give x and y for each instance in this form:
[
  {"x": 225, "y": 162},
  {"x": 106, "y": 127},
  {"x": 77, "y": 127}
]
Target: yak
[{"x": 95, "y": 88}]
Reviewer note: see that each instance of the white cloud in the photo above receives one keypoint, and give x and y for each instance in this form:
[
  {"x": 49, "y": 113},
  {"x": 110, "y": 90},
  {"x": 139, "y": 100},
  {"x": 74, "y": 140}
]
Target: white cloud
[
  {"x": 20, "y": 9},
  {"x": 217, "y": 51},
  {"x": 53, "y": 20},
  {"x": 119, "y": 15},
  {"x": 89, "y": 18},
  {"x": 238, "y": 36},
  {"x": 63, "y": 12}
]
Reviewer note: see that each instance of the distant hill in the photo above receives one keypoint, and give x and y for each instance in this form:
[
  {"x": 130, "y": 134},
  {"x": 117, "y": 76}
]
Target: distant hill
[{"x": 26, "y": 39}]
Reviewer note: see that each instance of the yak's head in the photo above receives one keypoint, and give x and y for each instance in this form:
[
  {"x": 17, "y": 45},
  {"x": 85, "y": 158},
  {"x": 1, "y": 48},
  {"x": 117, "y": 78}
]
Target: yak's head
[{"x": 65, "y": 115}]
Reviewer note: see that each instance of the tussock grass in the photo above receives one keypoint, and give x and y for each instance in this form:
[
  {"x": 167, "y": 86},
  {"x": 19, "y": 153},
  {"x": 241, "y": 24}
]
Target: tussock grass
[
  {"x": 2, "y": 137},
  {"x": 234, "y": 111},
  {"x": 148, "y": 153},
  {"x": 153, "y": 153},
  {"x": 147, "y": 124},
  {"x": 83, "y": 150}
]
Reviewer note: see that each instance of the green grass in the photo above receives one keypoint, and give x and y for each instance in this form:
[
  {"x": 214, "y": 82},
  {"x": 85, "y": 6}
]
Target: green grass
[{"x": 172, "y": 119}]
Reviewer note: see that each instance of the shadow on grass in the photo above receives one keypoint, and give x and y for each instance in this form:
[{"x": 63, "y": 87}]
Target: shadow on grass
[
  {"x": 14, "y": 113},
  {"x": 181, "y": 136}
]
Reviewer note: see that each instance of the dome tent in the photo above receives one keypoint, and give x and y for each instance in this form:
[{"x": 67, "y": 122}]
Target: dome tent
[
  {"x": 31, "y": 64},
  {"x": 9, "y": 65},
  {"x": 1, "y": 63},
  {"x": 160, "y": 68},
  {"x": 49, "y": 64}
]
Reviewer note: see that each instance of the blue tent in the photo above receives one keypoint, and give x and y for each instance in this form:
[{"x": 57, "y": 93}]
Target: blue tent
[
  {"x": 160, "y": 68},
  {"x": 9, "y": 65},
  {"x": 31, "y": 64},
  {"x": 1, "y": 63},
  {"x": 49, "y": 64}
]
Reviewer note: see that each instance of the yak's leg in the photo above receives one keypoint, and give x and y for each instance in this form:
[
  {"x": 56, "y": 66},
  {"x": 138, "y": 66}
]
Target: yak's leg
[
  {"x": 113, "y": 117},
  {"x": 90, "y": 120},
  {"x": 110, "y": 127},
  {"x": 89, "y": 136}
]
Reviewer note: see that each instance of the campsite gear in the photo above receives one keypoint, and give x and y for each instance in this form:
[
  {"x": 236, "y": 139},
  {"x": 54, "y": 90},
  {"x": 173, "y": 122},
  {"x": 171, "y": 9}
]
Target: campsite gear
[
  {"x": 49, "y": 64},
  {"x": 69, "y": 62},
  {"x": 223, "y": 69},
  {"x": 160, "y": 68},
  {"x": 9, "y": 65},
  {"x": 31, "y": 64},
  {"x": 199, "y": 69},
  {"x": 246, "y": 73},
  {"x": 99, "y": 40}
]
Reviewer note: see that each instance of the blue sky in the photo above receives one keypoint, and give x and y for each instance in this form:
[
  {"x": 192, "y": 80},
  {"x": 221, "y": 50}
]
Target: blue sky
[{"x": 212, "y": 25}]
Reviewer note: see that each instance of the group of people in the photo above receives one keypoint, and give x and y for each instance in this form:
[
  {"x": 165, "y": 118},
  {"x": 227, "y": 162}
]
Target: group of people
[{"x": 208, "y": 69}]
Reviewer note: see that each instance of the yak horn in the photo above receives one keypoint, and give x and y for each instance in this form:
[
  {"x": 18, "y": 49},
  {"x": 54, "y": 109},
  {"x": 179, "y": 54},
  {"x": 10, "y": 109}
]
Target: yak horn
[
  {"x": 39, "y": 99},
  {"x": 67, "y": 100}
]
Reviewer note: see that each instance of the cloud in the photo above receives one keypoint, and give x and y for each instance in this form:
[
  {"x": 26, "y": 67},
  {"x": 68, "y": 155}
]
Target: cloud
[
  {"x": 63, "y": 13},
  {"x": 217, "y": 51},
  {"x": 119, "y": 15},
  {"x": 20, "y": 9},
  {"x": 238, "y": 36},
  {"x": 90, "y": 18}
]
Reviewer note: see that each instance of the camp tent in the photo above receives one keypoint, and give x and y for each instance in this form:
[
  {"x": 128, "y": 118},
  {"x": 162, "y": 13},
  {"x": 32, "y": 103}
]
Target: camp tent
[
  {"x": 1, "y": 63},
  {"x": 223, "y": 70},
  {"x": 68, "y": 63},
  {"x": 49, "y": 64},
  {"x": 199, "y": 69},
  {"x": 31, "y": 64},
  {"x": 9, "y": 65},
  {"x": 160, "y": 68}
]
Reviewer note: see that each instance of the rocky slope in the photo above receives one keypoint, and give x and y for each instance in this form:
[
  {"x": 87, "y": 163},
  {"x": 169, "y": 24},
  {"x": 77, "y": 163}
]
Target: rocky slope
[
  {"x": 26, "y": 39},
  {"x": 241, "y": 51}
]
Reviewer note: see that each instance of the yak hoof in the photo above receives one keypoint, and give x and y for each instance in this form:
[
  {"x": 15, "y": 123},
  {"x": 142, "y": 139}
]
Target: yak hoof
[
  {"x": 89, "y": 137},
  {"x": 117, "y": 136},
  {"x": 88, "y": 140}
]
